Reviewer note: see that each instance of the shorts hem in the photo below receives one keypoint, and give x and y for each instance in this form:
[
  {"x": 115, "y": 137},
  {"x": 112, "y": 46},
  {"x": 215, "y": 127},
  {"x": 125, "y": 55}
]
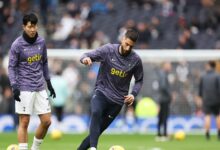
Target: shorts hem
[{"x": 41, "y": 113}]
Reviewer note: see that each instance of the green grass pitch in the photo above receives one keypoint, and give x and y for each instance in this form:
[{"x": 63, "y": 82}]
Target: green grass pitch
[{"x": 128, "y": 141}]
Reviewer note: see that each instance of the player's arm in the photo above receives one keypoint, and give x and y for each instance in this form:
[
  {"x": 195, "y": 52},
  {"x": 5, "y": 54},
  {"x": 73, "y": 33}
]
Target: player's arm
[
  {"x": 13, "y": 64},
  {"x": 46, "y": 72},
  {"x": 138, "y": 75},
  {"x": 97, "y": 55},
  {"x": 200, "y": 87},
  {"x": 163, "y": 85},
  {"x": 45, "y": 64},
  {"x": 12, "y": 70}
]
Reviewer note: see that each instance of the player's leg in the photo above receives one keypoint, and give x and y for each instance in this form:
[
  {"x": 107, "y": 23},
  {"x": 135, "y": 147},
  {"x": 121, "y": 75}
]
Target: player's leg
[
  {"x": 24, "y": 109},
  {"x": 59, "y": 112},
  {"x": 43, "y": 109},
  {"x": 59, "y": 116},
  {"x": 85, "y": 144},
  {"x": 45, "y": 121},
  {"x": 41, "y": 131},
  {"x": 207, "y": 121},
  {"x": 218, "y": 125},
  {"x": 160, "y": 115},
  {"x": 217, "y": 118},
  {"x": 165, "y": 118},
  {"x": 98, "y": 104},
  {"x": 109, "y": 116},
  {"x": 22, "y": 131}
]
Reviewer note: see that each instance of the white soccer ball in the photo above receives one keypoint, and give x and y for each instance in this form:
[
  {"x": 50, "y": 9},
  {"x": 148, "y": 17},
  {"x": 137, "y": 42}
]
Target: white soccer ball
[
  {"x": 12, "y": 147},
  {"x": 56, "y": 134},
  {"x": 116, "y": 147}
]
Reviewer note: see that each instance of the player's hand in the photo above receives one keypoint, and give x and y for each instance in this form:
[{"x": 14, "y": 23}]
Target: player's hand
[
  {"x": 16, "y": 93},
  {"x": 50, "y": 88},
  {"x": 87, "y": 61},
  {"x": 129, "y": 99}
]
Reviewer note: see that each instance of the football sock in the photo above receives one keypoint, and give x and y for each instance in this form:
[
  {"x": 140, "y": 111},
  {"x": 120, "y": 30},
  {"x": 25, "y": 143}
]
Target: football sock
[
  {"x": 23, "y": 146},
  {"x": 85, "y": 144},
  {"x": 207, "y": 135},
  {"x": 92, "y": 148},
  {"x": 36, "y": 143}
]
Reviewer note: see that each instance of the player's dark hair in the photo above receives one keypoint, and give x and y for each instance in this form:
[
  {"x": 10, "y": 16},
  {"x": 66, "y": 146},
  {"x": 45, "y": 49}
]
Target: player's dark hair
[
  {"x": 132, "y": 34},
  {"x": 212, "y": 64},
  {"x": 30, "y": 17}
]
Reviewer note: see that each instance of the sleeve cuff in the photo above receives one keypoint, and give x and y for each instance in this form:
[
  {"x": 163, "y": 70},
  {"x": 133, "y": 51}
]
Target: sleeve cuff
[
  {"x": 14, "y": 86},
  {"x": 134, "y": 93}
]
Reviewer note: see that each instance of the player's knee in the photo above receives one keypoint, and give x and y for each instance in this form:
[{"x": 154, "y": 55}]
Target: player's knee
[
  {"x": 46, "y": 123},
  {"x": 96, "y": 113},
  {"x": 24, "y": 124}
]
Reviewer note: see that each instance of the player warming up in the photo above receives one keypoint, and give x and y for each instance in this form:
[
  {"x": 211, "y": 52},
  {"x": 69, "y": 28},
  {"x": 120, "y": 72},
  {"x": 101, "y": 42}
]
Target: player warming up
[
  {"x": 28, "y": 71},
  {"x": 210, "y": 93},
  {"x": 118, "y": 63}
]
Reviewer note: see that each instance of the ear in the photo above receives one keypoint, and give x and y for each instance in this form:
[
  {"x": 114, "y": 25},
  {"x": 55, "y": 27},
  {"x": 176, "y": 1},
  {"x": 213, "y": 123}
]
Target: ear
[{"x": 122, "y": 39}]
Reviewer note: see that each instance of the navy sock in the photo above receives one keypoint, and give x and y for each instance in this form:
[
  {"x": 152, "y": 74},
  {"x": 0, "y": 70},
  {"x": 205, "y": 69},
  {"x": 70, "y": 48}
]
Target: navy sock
[
  {"x": 207, "y": 135},
  {"x": 85, "y": 144}
]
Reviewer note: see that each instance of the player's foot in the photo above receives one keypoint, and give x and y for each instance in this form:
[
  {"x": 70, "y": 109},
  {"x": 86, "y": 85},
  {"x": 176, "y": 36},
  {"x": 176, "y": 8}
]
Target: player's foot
[
  {"x": 162, "y": 138},
  {"x": 165, "y": 138},
  {"x": 158, "y": 138}
]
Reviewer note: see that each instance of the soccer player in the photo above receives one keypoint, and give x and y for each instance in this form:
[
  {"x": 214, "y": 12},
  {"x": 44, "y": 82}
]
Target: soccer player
[
  {"x": 164, "y": 101},
  {"x": 209, "y": 91},
  {"x": 118, "y": 63},
  {"x": 28, "y": 71}
]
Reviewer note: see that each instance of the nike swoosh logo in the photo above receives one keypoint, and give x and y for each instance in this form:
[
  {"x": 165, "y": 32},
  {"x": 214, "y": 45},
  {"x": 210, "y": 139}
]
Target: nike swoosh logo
[{"x": 110, "y": 116}]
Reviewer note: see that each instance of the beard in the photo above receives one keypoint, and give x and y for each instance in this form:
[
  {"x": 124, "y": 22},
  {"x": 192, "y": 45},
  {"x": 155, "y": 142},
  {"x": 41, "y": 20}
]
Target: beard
[{"x": 125, "y": 52}]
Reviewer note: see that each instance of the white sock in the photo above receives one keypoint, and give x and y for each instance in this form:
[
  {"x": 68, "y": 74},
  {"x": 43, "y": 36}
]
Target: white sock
[
  {"x": 36, "y": 143},
  {"x": 92, "y": 148},
  {"x": 23, "y": 146}
]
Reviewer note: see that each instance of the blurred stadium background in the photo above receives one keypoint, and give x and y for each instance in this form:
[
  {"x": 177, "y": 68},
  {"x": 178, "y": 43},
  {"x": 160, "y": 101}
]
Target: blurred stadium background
[{"x": 180, "y": 31}]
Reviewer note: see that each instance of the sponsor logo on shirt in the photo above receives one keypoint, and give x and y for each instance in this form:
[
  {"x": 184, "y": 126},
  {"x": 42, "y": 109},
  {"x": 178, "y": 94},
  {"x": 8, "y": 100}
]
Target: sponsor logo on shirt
[
  {"x": 118, "y": 73},
  {"x": 36, "y": 57}
]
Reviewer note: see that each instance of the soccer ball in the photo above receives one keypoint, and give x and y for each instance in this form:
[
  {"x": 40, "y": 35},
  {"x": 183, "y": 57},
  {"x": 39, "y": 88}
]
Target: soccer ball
[
  {"x": 12, "y": 147},
  {"x": 116, "y": 147},
  {"x": 179, "y": 135},
  {"x": 56, "y": 134}
]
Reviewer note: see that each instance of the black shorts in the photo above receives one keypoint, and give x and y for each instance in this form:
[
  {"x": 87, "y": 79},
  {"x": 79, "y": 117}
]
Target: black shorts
[{"x": 213, "y": 109}]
